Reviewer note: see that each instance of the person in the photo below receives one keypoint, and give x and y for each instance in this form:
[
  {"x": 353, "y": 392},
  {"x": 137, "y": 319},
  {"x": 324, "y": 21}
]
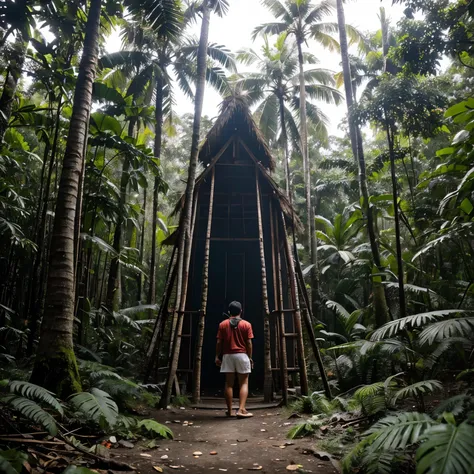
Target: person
[{"x": 234, "y": 341}]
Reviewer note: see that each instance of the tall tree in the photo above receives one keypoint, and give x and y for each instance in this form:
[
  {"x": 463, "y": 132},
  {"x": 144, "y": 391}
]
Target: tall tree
[
  {"x": 302, "y": 19},
  {"x": 185, "y": 234},
  {"x": 55, "y": 366},
  {"x": 381, "y": 310}
]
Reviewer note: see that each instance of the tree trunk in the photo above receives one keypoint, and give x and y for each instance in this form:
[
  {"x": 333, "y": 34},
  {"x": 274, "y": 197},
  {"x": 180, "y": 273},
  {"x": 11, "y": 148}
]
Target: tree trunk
[
  {"x": 312, "y": 243},
  {"x": 142, "y": 249},
  {"x": 11, "y": 82},
  {"x": 284, "y": 135},
  {"x": 401, "y": 284},
  {"x": 156, "y": 188},
  {"x": 380, "y": 305},
  {"x": 184, "y": 242},
  {"x": 204, "y": 293},
  {"x": 267, "y": 381},
  {"x": 113, "y": 285},
  {"x": 55, "y": 366}
]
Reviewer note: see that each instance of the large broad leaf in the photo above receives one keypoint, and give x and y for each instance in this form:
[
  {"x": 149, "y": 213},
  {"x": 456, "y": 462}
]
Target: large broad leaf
[
  {"x": 155, "y": 428},
  {"x": 447, "y": 449},
  {"x": 418, "y": 388},
  {"x": 102, "y": 123},
  {"x": 32, "y": 391},
  {"x": 96, "y": 405},
  {"x": 410, "y": 322},
  {"x": 32, "y": 411},
  {"x": 459, "y": 327},
  {"x": 399, "y": 431}
]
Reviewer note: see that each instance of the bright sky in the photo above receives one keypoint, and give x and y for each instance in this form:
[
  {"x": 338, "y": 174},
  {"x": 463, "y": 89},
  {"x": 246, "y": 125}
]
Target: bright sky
[{"x": 235, "y": 29}]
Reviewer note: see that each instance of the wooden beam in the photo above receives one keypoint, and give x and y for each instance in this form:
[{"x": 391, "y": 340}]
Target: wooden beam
[
  {"x": 276, "y": 343},
  {"x": 204, "y": 294},
  {"x": 297, "y": 314},
  {"x": 267, "y": 383},
  {"x": 281, "y": 318}
]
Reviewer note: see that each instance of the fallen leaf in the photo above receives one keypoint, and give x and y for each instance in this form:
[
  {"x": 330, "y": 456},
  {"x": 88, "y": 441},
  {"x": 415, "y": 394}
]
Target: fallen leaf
[
  {"x": 213, "y": 453},
  {"x": 174, "y": 467},
  {"x": 282, "y": 446},
  {"x": 293, "y": 467},
  {"x": 126, "y": 444},
  {"x": 255, "y": 468},
  {"x": 263, "y": 429},
  {"x": 222, "y": 469},
  {"x": 176, "y": 421},
  {"x": 197, "y": 453},
  {"x": 145, "y": 455},
  {"x": 158, "y": 468},
  {"x": 113, "y": 439},
  {"x": 165, "y": 456},
  {"x": 289, "y": 443}
]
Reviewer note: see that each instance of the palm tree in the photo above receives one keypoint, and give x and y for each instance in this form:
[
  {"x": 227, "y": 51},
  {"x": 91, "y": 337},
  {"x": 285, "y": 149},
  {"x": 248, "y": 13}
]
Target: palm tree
[
  {"x": 151, "y": 63},
  {"x": 302, "y": 19},
  {"x": 381, "y": 310},
  {"x": 55, "y": 367},
  {"x": 185, "y": 235},
  {"x": 275, "y": 92}
]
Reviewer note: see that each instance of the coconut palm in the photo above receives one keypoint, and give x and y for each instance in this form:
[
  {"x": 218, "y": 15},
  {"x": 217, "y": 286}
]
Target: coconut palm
[
  {"x": 152, "y": 61},
  {"x": 275, "y": 91},
  {"x": 303, "y": 20}
]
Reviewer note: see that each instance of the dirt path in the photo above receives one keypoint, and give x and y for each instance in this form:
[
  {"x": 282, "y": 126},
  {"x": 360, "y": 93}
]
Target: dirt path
[{"x": 241, "y": 445}]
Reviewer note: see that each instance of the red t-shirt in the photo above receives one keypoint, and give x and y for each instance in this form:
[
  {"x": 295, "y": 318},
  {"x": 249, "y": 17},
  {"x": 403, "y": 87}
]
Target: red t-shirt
[{"x": 234, "y": 339}]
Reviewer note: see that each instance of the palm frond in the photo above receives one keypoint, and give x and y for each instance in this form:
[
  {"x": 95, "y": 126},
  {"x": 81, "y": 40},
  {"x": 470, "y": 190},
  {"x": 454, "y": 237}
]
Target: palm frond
[
  {"x": 155, "y": 428},
  {"x": 410, "y": 322},
  {"x": 96, "y": 405},
  {"x": 446, "y": 448},
  {"x": 32, "y": 411},
  {"x": 458, "y": 327},
  {"x": 274, "y": 28},
  {"x": 418, "y": 388},
  {"x": 35, "y": 392}
]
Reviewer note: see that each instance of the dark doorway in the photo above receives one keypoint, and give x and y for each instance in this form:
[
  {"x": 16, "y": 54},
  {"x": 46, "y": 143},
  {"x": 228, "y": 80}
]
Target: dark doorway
[{"x": 234, "y": 274}]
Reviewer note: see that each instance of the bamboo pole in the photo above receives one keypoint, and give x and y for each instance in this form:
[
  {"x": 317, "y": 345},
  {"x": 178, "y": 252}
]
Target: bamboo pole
[
  {"x": 308, "y": 318},
  {"x": 157, "y": 330},
  {"x": 205, "y": 290},
  {"x": 267, "y": 383},
  {"x": 181, "y": 294},
  {"x": 274, "y": 279},
  {"x": 297, "y": 313},
  {"x": 281, "y": 319}
]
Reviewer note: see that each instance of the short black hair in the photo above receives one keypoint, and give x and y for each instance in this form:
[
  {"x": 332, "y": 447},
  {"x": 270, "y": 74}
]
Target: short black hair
[{"x": 235, "y": 308}]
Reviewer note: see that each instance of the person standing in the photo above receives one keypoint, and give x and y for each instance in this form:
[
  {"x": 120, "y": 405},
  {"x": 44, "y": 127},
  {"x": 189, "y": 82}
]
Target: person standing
[{"x": 234, "y": 342}]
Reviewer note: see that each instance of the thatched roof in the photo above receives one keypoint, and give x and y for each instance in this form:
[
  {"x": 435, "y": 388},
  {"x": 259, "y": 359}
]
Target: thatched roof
[{"x": 235, "y": 118}]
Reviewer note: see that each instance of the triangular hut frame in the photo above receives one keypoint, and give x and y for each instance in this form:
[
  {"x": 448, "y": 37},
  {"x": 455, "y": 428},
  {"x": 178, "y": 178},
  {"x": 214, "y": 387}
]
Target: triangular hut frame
[{"x": 237, "y": 166}]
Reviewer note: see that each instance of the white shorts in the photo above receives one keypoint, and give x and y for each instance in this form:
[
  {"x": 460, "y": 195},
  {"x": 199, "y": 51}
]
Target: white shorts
[{"x": 239, "y": 363}]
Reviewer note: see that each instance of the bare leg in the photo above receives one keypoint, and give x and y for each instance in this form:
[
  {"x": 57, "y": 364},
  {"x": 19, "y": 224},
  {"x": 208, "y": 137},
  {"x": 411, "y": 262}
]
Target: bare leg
[
  {"x": 243, "y": 394},
  {"x": 229, "y": 391}
]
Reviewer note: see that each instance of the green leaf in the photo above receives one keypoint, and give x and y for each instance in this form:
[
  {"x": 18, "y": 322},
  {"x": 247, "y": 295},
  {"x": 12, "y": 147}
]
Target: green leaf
[
  {"x": 424, "y": 386},
  {"x": 103, "y": 123},
  {"x": 11, "y": 461},
  {"x": 154, "y": 428},
  {"x": 466, "y": 206},
  {"x": 460, "y": 137},
  {"x": 458, "y": 327},
  {"x": 447, "y": 449},
  {"x": 445, "y": 151},
  {"x": 32, "y": 391},
  {"x": 96, "y": 405},
  {"x": 456, "y": 109},
  {"x": 32, "y": 411}
]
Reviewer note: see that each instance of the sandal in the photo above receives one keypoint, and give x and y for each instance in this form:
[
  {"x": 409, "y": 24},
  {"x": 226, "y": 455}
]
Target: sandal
[{"x": 244, "y": 415}]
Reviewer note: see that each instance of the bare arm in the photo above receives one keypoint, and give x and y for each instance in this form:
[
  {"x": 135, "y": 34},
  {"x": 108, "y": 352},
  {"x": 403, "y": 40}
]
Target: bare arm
[
  {"x": 218, "y": 352},
  {"x": 249, "y": 348}
]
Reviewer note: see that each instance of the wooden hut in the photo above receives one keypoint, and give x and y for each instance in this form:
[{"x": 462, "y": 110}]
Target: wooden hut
[{"x": 240, "y": 252}]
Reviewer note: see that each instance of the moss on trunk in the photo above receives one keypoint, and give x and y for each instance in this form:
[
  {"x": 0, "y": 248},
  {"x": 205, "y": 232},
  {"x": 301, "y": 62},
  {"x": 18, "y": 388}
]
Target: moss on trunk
[{"x": 58, "y": 372}]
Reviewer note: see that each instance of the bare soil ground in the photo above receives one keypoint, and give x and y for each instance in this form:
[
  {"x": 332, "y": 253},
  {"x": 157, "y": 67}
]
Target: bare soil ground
[{"x": 253, "y": 444}]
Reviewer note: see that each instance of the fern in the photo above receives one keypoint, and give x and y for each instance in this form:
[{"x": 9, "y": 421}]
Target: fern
[
  {"x": 154, "y": 428},
  {"x": 374, "y": 398},
  {"x": 104, "y": 374},
  {"x": 96, "y": 405},
  {"x": 447, "y": 449},
  {"x": 418, "y": 388},
  {"x": 35, "y": 392},
  {"x": 459, "y": 327},
  {"x": 32, "y": 411}
]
